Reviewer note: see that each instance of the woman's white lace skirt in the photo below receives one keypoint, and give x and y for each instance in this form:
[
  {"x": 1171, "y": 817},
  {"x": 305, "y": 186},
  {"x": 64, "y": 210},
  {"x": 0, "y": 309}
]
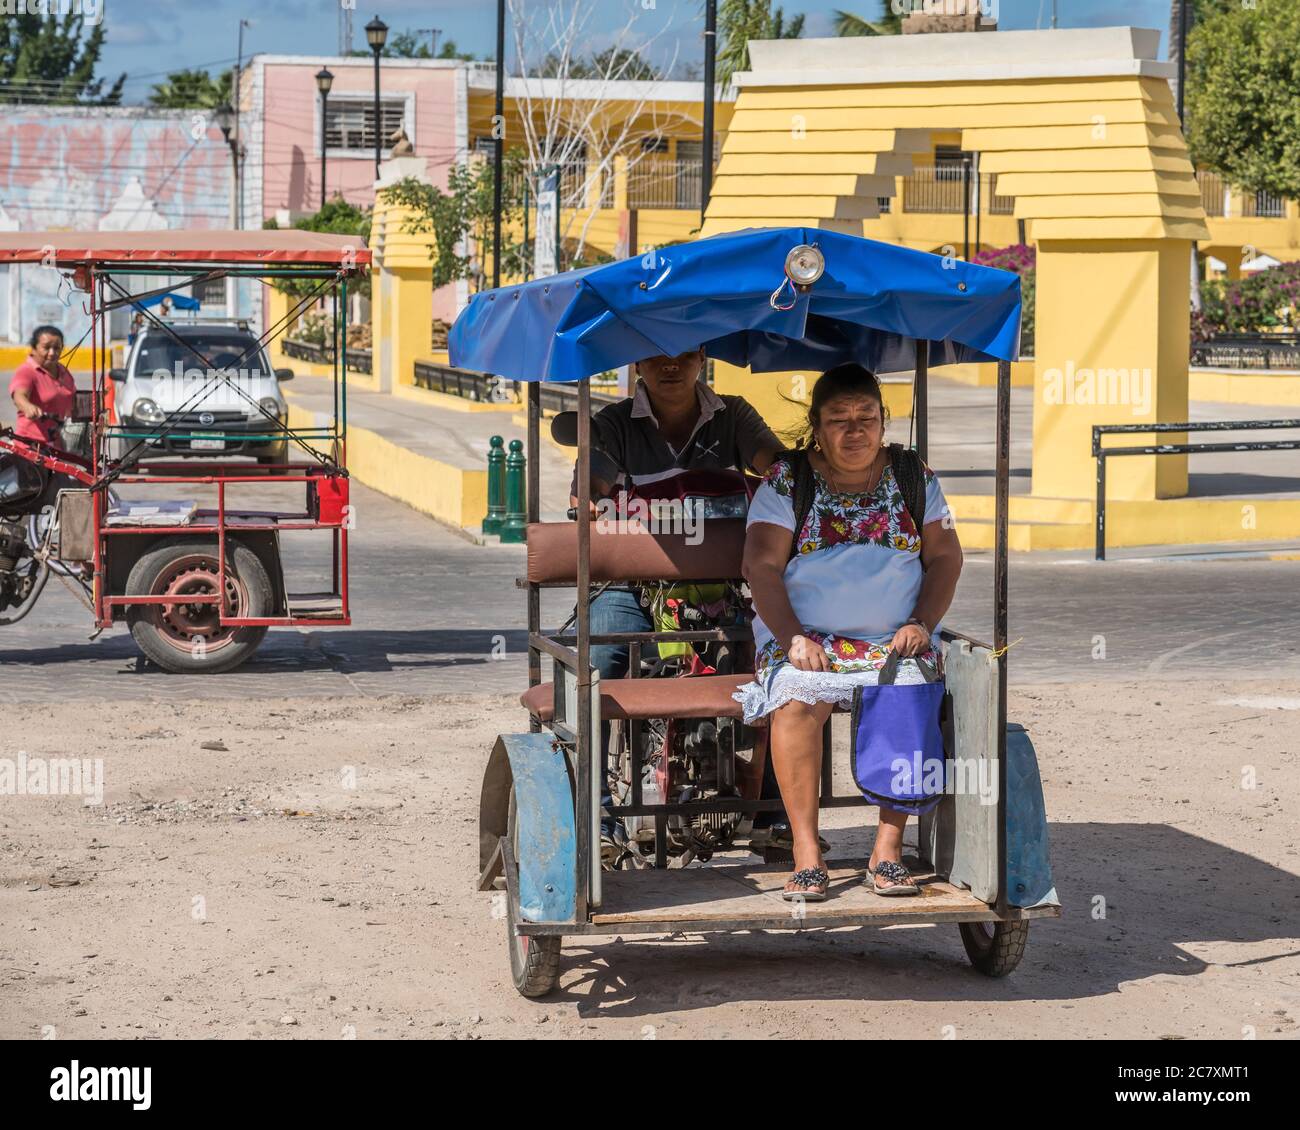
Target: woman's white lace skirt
[{"x": 788, "y": 684}]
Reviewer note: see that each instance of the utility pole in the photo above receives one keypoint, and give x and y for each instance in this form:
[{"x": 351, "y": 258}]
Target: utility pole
[
  {"x": 432, "y": 33},
  {"x": 239, "y": 159},
  {"x": 710, "y": 58}
]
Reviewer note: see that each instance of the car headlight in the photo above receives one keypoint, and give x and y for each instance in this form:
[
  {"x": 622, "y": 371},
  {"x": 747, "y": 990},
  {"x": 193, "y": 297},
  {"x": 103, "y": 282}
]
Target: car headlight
[
  {"x": 270, "y": 406},
  {"x": 147, "y": 411}
]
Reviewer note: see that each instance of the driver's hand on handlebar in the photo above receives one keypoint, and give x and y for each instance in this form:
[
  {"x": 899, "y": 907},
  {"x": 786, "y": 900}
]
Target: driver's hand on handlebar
[
  {"x": 806, "y": 655},
  {"x": 31, "y": 411}
]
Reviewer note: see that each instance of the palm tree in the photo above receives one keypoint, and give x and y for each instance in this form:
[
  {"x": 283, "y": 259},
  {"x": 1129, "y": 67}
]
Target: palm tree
[
  {"x": 888, "y": 22},
  {"x": 739, "y": 21}
]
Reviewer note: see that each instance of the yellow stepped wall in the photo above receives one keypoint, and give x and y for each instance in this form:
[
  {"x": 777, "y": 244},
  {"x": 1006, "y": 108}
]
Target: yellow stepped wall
[{"x": 1079, "y": 127}]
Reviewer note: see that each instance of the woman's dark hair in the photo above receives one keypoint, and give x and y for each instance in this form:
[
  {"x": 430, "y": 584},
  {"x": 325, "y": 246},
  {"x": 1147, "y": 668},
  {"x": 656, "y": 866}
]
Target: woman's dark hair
[
  {"x": 849, "y": 378},
  {"x": 40, "y": 331}
]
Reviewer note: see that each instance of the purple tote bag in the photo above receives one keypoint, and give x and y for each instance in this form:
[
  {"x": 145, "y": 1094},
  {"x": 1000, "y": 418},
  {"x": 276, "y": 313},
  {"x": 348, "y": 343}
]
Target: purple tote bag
[{"x": 897, "y": 744}]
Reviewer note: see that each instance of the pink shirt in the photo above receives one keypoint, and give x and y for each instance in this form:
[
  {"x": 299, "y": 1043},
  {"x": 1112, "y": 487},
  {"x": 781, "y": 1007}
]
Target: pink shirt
[{"x": 53, "y": 394}]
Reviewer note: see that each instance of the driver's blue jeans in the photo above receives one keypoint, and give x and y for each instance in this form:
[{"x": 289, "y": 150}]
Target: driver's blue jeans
[{"x": 614, "y": 610}]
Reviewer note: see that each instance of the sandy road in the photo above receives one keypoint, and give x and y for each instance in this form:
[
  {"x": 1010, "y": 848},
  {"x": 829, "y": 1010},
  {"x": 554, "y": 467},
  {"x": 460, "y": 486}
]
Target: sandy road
[{"x": 246, "y": 891}]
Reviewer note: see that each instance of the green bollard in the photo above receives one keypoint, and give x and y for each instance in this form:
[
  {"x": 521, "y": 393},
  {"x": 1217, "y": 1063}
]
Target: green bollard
[
  {"x": 514, "y": 529},
  {"x": 496, "y": 486}
]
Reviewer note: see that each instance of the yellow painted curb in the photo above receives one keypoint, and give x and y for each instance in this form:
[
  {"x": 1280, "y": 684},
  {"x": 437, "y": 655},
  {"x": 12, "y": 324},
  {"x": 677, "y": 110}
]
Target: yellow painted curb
[
  {"x": 450, "y": 494},
  {"x": 1061, "y": 523},
  {"x": 449, "y": 400},
  {"x": 1243, "y": 387},
  {"x": 985, "y": 374}
]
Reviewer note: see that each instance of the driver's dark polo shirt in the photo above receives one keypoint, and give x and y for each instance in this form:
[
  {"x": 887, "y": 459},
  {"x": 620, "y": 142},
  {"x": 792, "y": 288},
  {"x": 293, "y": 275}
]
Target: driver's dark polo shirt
[{"x": 625, "y": 437}]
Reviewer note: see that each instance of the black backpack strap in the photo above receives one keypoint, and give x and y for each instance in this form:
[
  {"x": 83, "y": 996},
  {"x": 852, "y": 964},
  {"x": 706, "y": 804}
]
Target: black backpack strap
[
  {"x": 802, "y": 495},
  {"x": 910, "y": 476}
]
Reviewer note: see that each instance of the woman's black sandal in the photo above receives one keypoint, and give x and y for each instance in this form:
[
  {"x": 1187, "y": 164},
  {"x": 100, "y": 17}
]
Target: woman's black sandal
[
  {"x": 898, "y": 875},
  {"x": 810, "y": 884}
]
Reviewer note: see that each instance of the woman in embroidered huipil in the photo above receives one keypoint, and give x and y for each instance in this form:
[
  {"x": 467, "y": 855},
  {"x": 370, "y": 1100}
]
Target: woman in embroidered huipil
[{"x": 862, "y": 581}]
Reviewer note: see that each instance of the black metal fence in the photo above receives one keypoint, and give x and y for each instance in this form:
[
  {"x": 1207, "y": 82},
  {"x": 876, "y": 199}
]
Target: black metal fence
[
  {"x": 1248, "y": 351},
  {"x": 456, "y": 382},
  {"x": 357, "y": 360},
  {"x": 1101, "y": 454}
]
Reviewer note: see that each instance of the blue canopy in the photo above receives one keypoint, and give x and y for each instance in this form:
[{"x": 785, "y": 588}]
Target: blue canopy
[{"x": 871, "y": 304}]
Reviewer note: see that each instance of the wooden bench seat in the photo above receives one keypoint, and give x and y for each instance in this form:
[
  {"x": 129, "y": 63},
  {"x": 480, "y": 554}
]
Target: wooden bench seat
[{"x": 700, "y": 696}]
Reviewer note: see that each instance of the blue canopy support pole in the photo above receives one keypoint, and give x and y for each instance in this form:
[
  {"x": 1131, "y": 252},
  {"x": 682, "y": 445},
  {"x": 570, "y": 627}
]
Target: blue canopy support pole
[
  {"x": 921, "y": 397},
  {"x": 533, "y": 504},
  {"x": 1000, "y": 612},
  {"x": 583, "y": 674},
  {"x": 706, "y": 146}
]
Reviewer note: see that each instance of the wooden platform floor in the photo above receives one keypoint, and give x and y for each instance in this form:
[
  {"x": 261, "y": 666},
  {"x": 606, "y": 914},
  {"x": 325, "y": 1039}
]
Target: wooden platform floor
[{"x": 745, "y": 895}]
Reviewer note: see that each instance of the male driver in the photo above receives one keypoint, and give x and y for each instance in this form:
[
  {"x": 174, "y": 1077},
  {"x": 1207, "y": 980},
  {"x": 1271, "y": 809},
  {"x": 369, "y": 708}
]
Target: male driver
[{"x": 672, "y": 422}]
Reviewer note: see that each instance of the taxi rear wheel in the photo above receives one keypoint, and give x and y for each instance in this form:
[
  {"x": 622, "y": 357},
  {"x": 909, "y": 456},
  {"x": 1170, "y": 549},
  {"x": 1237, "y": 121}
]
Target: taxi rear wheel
[
  {"x": 534, "y": 958},
  {"x": 185, "y": 636},
  {"x": 995, "y": 948}
]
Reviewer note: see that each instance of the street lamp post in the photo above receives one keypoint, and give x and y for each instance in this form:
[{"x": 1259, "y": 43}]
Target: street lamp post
[
  {"x": 377, "y": 36},
  {"x": 224, "y": 116},
  {"x": 324, "y": 80},
  {"x": 710, "y": 57}
]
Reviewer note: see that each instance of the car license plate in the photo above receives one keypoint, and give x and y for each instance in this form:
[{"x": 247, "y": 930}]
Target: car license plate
[{"x": 207, "y": 443}]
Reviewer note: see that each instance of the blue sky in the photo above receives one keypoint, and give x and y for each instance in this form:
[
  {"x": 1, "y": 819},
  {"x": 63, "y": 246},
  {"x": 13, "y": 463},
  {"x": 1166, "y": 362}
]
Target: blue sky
[{"x": 147, "y": 39}]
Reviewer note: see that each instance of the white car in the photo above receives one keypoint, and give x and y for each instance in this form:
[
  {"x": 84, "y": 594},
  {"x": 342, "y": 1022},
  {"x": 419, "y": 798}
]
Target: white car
[{"x": 200, "y": 389}]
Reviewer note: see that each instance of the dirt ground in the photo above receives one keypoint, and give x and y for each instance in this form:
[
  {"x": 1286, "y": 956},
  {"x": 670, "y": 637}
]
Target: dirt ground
[{"x": 312, "y": 876}]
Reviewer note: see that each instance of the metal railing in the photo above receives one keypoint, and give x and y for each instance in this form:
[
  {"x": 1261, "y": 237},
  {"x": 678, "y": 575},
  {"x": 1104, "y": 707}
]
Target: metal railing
[
  {"x": 1101, "y": 454},
  {"x": 654, "y": 182},
  {"x": 358, "y": 360},
  {"x": 306, "y": 351},
  {"x": 1248, "y": 351},
  {"x": 1214, "y": 192},
  {"x": 1263, "y": 205},
  {"x": 941, "y": 189},
  {"x": 455, "y": 382}
]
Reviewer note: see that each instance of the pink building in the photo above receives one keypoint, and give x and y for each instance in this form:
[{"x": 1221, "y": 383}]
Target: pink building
[{"x": 281, "y": 126}]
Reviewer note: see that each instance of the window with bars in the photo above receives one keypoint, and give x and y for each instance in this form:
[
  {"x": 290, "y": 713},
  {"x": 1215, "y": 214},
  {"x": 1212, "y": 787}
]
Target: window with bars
[{"x": 350, "y": 124}]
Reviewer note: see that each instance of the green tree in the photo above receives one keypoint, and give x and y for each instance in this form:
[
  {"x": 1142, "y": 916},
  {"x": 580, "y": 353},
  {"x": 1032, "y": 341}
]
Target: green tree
[
  {"x": 449, "y": 50},
  {"x": 1243, "y": 95},
  {"x": 187, "y": 88},
  {"x": 887, "y": 22},
  {"x": 339, "y": 218},
  {"x": 739, "y": 21},
  {"x": 44, "y": 58},
  {"x": 612, "y": 63},
  {"x": 464, "y": 213}
]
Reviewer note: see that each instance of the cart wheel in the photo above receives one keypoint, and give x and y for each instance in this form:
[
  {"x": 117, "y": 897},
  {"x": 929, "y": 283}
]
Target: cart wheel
[
  {"x": 994, "y": 948},
  {"x": 186, "y": 638},
  {"x": 534, "y": 958}
]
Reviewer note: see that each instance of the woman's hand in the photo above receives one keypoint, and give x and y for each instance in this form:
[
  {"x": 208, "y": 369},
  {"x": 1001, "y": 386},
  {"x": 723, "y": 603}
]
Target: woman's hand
[
  {"x": 806, "y": 655},
  {"x": 30, "y": 411},
  {"x": 910, "y": 640}
]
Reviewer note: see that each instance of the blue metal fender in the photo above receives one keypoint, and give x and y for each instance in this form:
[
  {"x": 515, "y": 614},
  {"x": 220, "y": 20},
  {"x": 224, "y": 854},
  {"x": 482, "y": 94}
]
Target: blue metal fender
[{"x": 535, "y": 768}]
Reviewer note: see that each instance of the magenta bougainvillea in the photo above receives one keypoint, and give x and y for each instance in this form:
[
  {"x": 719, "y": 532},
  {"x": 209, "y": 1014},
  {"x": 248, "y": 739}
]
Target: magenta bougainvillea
[
  {"x": 1267, "y": 302},
  {"x": 1021, "y": 259}
]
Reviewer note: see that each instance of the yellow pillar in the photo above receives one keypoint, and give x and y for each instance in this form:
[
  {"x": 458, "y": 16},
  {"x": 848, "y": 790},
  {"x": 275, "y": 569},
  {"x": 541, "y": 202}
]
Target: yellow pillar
[
  {"x": 410, "y": 322},
  {"x": 401, "y": 307},
  {"x": 1111, "y": 348}
]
